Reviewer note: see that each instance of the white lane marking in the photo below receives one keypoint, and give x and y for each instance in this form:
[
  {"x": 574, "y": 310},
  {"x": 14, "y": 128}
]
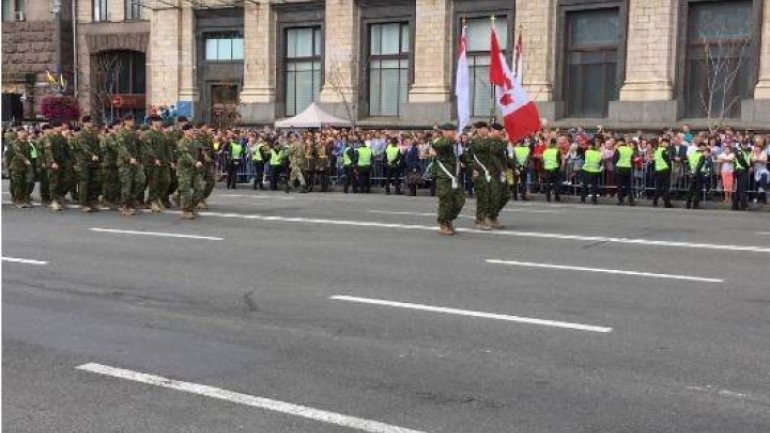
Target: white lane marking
[
  {"x": 605, "y": 271},
  {"x": 519, "y": 319},
  {"x": 25, "y": 261},
  {"x": 159, "y": 234},
  {"x": 541, "y": 235},
  {"x": 271, "y": 197},
  {"x": 429, "y": 214},
  {"x": 248, "y": 400},
  {"x": 532, "y": 211},
  {"x": 763, "y": 233}
]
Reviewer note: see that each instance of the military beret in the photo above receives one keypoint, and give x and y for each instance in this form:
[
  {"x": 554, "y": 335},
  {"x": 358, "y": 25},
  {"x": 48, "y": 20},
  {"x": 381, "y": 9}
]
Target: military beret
[
  {"x": 497, "y": 127},
  {"x": 86, "y": 119},
  {"x": 167, "y": 124},
  {"x": 155, "y": 118},
  {"x": 128, "y": 117},
  {"x": 186, "y": 127},
  {"x": 447, "y": 127},
  {"x": 45, "y": 127},
  {"x": 182, "y": 119},
  {"x": 481, "y": 124}
]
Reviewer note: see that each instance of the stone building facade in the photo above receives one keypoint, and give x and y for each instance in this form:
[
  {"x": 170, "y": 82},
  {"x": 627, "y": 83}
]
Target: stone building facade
[
  {"x": 619, "y": 63},
  {"x": 30, "y": 45}
]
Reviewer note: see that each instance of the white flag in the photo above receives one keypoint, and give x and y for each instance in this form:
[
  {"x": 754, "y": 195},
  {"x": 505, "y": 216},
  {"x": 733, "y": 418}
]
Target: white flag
[{"x": 462, "y": 87}]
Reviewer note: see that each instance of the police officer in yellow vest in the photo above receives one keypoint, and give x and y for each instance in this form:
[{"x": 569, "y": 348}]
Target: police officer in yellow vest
[
  {"x": 521, "y": 155},
  {"x": 276, "y": 165},
  {"x": 662, "y": 158},
  {"x": 258, "y": 156},
  {"x": 592, "y": 169},
  {"x": 392, "y": 166},
  {"x": 364, "y": 167},
  {"x": 700, "y": 168},
  {"x": 552, "y": 167},
  {"x": 348, "y": 165},
  {"x": 234, "y": 154},
  {"x": 624, "y": 168}
]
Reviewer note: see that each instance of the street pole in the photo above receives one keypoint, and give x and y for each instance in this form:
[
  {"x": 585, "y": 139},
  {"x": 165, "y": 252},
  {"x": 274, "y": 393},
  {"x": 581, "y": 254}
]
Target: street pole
[{"x": 57, "y": 38}]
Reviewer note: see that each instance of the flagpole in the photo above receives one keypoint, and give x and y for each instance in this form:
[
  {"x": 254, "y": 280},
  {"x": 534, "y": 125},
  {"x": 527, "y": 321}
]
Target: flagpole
[{"x": 492, "y": 116}]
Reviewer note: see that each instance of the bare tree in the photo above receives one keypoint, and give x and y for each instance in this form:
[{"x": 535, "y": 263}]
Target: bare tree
[
  {"x": 103, "y": 87},
  {"x": 722, "y": 63},
  {"x": 335, "y": 77}
]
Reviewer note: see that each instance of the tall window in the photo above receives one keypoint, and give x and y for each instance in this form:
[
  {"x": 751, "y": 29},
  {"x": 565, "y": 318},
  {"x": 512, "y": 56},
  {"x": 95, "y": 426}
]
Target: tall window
[
  {"x": 591, "y": 62},
  {"x": 134, "y": 10},
  {"x": 129, "y": 75},
  {"x": 719, "y": 59},
  {"x": 478, "y": 34},
  {"x": 302, "y": 73},
  {"x": 388, "y": 67},
  {"x": 7, "y": 10},
  {"x": 100, "y": 10},
  {"x": 222, "y": 47}
]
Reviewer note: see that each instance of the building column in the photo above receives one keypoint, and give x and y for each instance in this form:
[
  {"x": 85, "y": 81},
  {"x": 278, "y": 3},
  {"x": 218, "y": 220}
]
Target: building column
[
  {"x": 762, "y": 91},
  {"x": 430, "y": 98},
  {"x": 537, "y": 22},
  {"x": 258, "y": 94},
  {"x": 188, "y": 71},
  {"x": 341, "y": 58},
  {"x": 647, "y": 95},
  {"x": 163, "y": 57}
]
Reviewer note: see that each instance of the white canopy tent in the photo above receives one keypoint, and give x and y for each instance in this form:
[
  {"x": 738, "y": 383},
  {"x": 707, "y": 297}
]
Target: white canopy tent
[{"x": 312, "y": 117}]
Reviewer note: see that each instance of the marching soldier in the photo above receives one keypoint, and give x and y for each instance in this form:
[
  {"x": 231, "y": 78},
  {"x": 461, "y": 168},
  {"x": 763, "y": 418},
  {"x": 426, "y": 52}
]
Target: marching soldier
[
  {"x": 159, "y": 157},
  {"x": 500, "y": 190},
  {"x": 19, "y": 159},
  {"x": 88, "y": 160},
  {"x": 205, "y": 144},
  {"x": 131, "y": 171},
  {"x": 58, "y": 157},
  {"x": 189, "y": 167},
  {"x": 449, "y": 185},
  {"x": 110, "y": 172}
]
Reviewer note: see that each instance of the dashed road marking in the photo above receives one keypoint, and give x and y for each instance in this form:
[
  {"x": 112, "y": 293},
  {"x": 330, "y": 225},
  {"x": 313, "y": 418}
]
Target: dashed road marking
[
  {"x": 158, "y": 234},
  {"x": 248, "y": 400},
  {"x": 604, "y": 271},
  {"x": 25, "y": 261},
  {"x": 459, "y": 312}
]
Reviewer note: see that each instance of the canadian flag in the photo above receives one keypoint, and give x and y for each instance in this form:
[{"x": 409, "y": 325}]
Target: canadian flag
[{"x": 520, "y": 115}]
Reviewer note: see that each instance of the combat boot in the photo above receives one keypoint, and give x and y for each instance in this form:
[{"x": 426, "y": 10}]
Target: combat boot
[
  {"x": 444, "y": 230},
  {"x": 127, "y": 211},
  {"x": 493, "y": 223},
  {"x": 87, "y": 209},
  {"x": 202, "y": 205},
  {"x": 186, "y": 215},
  {"x": 56, "y": 206},
  {"x": 482, "y": 225},
  {"x": 451, "y": 227},
  {"x": 155, "y": 207}
]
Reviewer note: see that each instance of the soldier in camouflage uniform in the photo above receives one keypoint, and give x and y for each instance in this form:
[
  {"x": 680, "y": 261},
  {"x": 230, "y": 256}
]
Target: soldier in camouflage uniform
[
  {"x": 296, "y": 164},
  {"x": 205, "y": 144},
  {"x": 19, "y": 160},
  {"x": 158, "y": 156},
  {"x": 87, "y": 150},
  {"x": 130, "y": 168},
  {"x": 308, "y": 168},
  {"x": 480, "y": 161},
  {"x": 41, "y": 168},
  {"x": 174, "y": 135},
  {"x": 500, "y": 191},
  {"x": 446, "y": 175},
  {"x": 189, "y": 170},
  {"x": 110, "y": 172},
  {"x": 59, "y": 163}
]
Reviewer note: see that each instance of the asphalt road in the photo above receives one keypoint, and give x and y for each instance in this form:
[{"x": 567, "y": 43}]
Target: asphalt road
[{"x": 345, "y": 313}]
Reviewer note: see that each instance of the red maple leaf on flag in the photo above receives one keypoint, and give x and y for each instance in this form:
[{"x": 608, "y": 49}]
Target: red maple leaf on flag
[{"x": 506, "y": 99}]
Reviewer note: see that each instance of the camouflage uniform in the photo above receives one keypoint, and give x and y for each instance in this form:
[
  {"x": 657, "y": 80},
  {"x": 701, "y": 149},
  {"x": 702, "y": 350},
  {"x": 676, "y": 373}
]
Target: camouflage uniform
[
  {"x": 190, "y": 178},
  {"x": 296, "y": 163},
  {"x": 19, "y": 160},
  {"x": 481, "y": 160},
  {"x": 86, "y": 145},
  {"x": 110, "y": 173},
  {"x": 500, "y": 192},
  {"x": 205, "y": 145},
  {"x": 157, "y": 148},
  {"x": 173, "y": 138},
  {"x": 132, "y": 179},
  {"x": 449, "y": 183},
  {"x": 58, "y": 151}
]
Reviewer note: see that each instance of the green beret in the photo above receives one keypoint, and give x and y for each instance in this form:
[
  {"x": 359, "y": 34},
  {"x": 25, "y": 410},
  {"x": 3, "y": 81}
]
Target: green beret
[
  {"x": 497, "y": 127},
  {"x": 481, "y": 124},
  {"x": 447, "y": 127}
]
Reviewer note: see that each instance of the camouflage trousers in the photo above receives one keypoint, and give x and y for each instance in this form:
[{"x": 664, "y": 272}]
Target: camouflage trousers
[
  {"x": 41, "y": 175},
  {"x": 132, "y": 181},
  {"x": 110, "y": 184},
  {"x": 500, "y": 194},
  {"x": 22, "y": 181},
  {"x": 209, "y": 179},
  {"x": 450, "y": 200},
  {"x": 483, "y": 191},
  {"x": 296, "y": 175},
  {"x": 159, "y": 181},
  {"x": 59, "y": 181},
  {"x": 191, "y": 188},
  {"x": 89, "y": 179}
]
